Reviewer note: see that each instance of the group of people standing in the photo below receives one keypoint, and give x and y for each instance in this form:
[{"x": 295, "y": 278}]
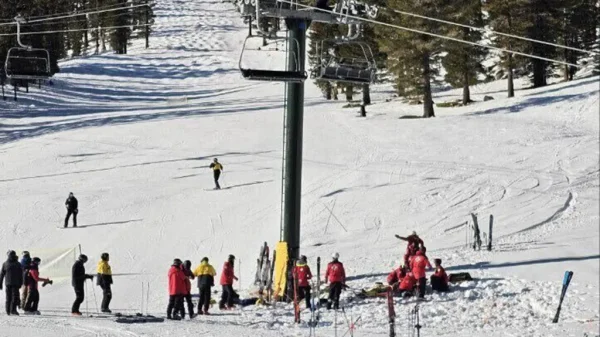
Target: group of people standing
[
  {"x": 180, "y": 286},
  {"x": 24, "y": 276}
]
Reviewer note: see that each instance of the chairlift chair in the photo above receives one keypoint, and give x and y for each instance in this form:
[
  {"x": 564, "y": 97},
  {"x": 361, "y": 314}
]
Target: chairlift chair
[
  {"x": 270, "y": 75},
  {"x": 359, "y": 70},
  {"x": 25, "y": 62}
]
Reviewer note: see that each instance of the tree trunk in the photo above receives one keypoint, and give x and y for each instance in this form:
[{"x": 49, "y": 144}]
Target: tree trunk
[
  {"x": 349, "y": 92},
  {"x": 328, "y": 89},
  {"x": 466, "y": 91},
  {"x": 366, "y": 92},
  {"x": 511, "y": 82},
  {"x": 539, "y": 73},
  {"x": 334, "y": 89},
  {"x": 427, "y": 98}
]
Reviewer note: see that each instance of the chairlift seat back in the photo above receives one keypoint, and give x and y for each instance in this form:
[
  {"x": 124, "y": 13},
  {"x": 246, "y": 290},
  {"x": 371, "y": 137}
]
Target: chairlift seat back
[{"x": 22, "y": 63}]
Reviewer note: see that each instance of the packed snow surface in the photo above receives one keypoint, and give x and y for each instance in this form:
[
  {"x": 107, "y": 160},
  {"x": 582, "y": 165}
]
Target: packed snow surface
[{"x": 132, "y": 136}]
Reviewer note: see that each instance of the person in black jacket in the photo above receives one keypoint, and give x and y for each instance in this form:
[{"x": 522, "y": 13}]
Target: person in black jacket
[
  {"x": 78, "y": 277},
  {"x": 187, "y": 270},
  {"x": 72, "y": 208},
  {"x": 12, "y": 275}
]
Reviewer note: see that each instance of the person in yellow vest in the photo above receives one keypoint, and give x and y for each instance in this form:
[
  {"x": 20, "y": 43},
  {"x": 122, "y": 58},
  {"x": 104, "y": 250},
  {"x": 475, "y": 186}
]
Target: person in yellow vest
[
  {"x": 104, "y": 280},
  {"x": 206, "y": 280},
  {"x": 217, "y": 168}
]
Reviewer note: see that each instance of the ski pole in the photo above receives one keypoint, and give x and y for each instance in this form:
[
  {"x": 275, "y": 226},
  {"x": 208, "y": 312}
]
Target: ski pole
[
  {"x": 95, "y": 300},
  {"x": 142, "y": 299},
  {"x": 147, "y": 296},
  {"x": 87, "y": 310}
]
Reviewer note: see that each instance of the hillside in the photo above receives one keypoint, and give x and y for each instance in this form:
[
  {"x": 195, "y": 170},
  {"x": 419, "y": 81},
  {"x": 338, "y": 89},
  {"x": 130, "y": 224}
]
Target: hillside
[{"x": 132, "y": 136}]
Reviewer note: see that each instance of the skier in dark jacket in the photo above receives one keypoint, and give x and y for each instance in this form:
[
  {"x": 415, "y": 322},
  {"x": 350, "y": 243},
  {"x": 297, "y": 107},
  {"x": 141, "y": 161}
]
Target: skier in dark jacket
[
  {"x": 206, "y": 280},
  {"x": 25, "y": 262},
  {"x": 217, "y": 168},
  {"x": 78, "y": 277},
  {"x": 72, "y": 208},
  {"x": 12, "y": 275},
  {"x": 104, "y": 280},
  {"x": 189, "y": 276}
]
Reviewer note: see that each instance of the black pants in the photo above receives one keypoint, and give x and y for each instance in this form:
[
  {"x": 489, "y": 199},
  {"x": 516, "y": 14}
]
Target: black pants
[
  {"x": 217, "y": 174},
  {"x": 227, "y": 296},
  {"x": 204, "y": 302},
  {"x": 33, "y": 299},
  {"x": 69, "y": 212},
  {"x": 106, "y": 297},
  {"x": 422, "y": 284},
  {"x": 79, "y": 297},
  {"x": 335, "y": 290},
  {"x": 438, "y": 284},
  {"x": 190, "y": 306},
  {"x": 175, "y": 305},
  {"x": 304, "y": 293},
  {"x": 12, "y": 299}
]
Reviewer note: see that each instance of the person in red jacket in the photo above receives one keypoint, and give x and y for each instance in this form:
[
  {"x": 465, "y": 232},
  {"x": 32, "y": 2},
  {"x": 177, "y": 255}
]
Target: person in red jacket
[
  {"x": 227, "y": 278},
  {"x": 336, "y": 277},
  {"x": 32, "y": 279},
  {"x": 402, "y": 281},
  {"x": 413, "y": 245},
  {"x": 418, "y": 265},
  {"x": 439, "y": 279},
  {"x": 177, "y": 288},
  {"x": 303, "y": 275},
  {"x": 186, "y": 268}
]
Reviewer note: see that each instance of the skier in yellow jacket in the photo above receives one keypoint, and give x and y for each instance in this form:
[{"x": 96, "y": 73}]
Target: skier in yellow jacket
[
  {"x": 217, "y": 168},
  {"x": 206, "y": 280},
  {"x": 104, "y": 280}
]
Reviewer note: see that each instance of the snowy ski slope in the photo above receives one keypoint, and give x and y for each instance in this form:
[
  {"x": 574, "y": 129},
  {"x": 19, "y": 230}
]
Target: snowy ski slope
[{"x": 132, "y": 135}]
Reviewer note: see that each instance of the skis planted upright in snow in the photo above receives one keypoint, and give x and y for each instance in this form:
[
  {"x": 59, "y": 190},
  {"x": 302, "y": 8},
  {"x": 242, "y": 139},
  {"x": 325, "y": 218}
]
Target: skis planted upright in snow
[
  {"x": 489, "y": 246},
  {"x": 270, "y": 280},
  {"x": 477, "y": 233},
  {"x": 391, "y": 312},
  {"x": 296, "y": 303},
  {"x": 566, "y": 281}
]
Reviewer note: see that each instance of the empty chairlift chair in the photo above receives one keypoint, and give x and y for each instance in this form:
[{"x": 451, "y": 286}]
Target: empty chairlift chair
[
  {"x": 273, "y": 75},
  {"x": 355, "y": 70},
  {"x": 25, "y": 62}
]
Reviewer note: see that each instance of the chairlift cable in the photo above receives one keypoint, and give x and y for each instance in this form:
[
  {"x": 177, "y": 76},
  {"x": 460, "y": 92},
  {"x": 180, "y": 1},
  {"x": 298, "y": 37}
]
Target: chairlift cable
[{"x": 358, "y": 18}]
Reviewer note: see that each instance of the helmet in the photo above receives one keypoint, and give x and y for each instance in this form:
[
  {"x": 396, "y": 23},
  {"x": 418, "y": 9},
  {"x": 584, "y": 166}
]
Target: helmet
[
  {"x": 215, "y": 160},
  {"x": 414, "y": 233},
  {"x": 104, "y": 256},
  {"x": 204, "y": 259},
  {"x": 335, "y": 256},
  {"x": 437, "y": 261},
  {"x": 187, "y": 264},
  {"x": 11, "y": 253},
  {"x": 36, "y": 260},
  {"x": 83, "y": 258},
  {"x": 177, "y": 262},
  {"x": 70, "y": 194},
  {"x": 231, "y": 257},
  {"x": 303, "y": 258},
  {"x": 25, "y": 253}
]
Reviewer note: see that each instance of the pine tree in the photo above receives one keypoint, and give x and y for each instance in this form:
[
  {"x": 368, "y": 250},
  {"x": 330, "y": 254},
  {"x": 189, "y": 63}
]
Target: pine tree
[
  {"x": 543, "y": 17},
  {"x": 577, "y": 29},
  {"x": 508, "y": 16},
  {"x": 463, "y": 62},
  {"x": 412, "y": 57}
]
